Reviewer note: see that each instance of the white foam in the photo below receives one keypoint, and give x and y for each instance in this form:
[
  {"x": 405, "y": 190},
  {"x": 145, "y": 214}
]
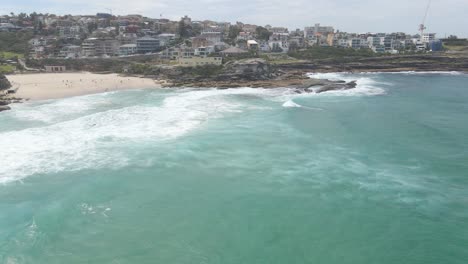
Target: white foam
[
  {"x": 290, "y": 104},
  {"x": 50, "y": 111},
  {"x": 450, "y": 73},
  {"x": 95, "y": 140},
  {"x": 332, "y": 76},
  {"x": 366, "y": 85}
]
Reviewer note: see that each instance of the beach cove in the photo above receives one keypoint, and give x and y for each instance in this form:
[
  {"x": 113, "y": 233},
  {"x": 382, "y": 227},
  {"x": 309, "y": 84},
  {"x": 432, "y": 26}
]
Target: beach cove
[{"x": 41, "y": 86}]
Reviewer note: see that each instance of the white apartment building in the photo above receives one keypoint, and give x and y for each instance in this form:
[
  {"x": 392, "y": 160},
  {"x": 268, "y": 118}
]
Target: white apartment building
[{"x": 310, "y": 32}]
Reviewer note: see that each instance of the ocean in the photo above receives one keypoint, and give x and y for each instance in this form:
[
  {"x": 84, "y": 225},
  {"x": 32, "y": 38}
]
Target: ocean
[{"x": 376, "y": 174}]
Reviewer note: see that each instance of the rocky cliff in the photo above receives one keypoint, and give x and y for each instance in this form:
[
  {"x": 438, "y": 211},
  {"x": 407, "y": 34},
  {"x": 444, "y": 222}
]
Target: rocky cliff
[{"x": 4, "y": 83}]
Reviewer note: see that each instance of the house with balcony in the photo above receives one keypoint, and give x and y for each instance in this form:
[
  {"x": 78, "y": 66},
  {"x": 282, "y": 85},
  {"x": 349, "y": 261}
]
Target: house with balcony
[
  {"x": 165, "y": 39},
  {"x": 128, "y": 49},
  {"x": 147, "y": 45},
  {"x": 212, "y": 37},
  {"x": 70, "y": 51}
]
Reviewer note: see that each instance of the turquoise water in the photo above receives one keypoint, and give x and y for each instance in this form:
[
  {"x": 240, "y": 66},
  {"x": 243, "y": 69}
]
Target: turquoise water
[{"x": 378, "y": 174}]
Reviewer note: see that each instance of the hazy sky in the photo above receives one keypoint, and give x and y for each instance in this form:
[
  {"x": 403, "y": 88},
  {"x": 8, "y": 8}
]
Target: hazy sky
[{"x": 445, "y": 16}]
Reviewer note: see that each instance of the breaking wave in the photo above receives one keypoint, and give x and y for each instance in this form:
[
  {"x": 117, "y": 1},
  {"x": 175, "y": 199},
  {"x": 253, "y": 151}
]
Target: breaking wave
[
  {"x": 89, "y": 131},
  {"x": 366, "y": 85},
  {"x": 291, "y": 103},
  {"x": 93, "y": 140}
]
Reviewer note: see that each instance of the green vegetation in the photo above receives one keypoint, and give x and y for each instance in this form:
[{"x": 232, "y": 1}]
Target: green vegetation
[
  {"x": 279, "y": 58},
  {"x": 232, "y": 35},
  {"x": 16, "y": 42},
  {"x": 92, "y": 65},
  {"x": 332, "y": 53},
  {"x": 454, "y": 44},
  {"x": 140, "y": 68},
  {"x": 7, "y": 55},
  {"x": 248, "y": 55},
  {"x": 5, "y": 68},
  {"x": 202, "y": 71},
  {"x": 262, "y": 33},
  {"x": 185, "y": 30}
]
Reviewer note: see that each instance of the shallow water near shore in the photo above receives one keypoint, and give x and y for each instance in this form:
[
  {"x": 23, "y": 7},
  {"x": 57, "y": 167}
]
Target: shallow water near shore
[{"x": 377, "y": 174}]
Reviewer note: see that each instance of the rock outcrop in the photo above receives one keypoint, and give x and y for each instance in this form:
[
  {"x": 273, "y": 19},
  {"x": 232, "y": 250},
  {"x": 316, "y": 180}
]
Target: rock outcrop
[
  {"x": 4, "y": 108},
  {"x": 253, "y": 73},
  {"x": 249, "y": 69},
  {"x": 4, "y": 83},
  {"x": 322, "y": 85}
]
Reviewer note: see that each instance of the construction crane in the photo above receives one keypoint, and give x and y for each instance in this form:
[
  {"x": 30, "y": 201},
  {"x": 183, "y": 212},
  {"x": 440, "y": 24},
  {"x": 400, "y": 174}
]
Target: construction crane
[{"x": 422, "y": 27}]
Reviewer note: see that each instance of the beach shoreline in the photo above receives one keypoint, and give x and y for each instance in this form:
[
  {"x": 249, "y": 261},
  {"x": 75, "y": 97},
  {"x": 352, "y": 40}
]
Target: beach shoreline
[{"x": 43, "y": 86}]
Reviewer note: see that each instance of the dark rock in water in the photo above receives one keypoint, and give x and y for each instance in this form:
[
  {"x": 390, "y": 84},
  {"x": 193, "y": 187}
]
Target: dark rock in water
[
  {"x": 4, "y": 108},
  {"x": 298, "y": 91},
  {"x": 351, "y": 84},
  {"x": 329, "y": 87},
  {"x": 340, "y": 81},
  {"x": 337, "y": 87},
  {"x": 312, "y": 82},
  {"x": 4, "y": 103}
]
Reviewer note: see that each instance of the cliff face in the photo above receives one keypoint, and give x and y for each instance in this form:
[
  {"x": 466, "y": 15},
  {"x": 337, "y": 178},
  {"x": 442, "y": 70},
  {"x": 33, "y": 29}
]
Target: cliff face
[
  {"x": 241, "y": 72},
  {"x": 4, "y": 83}
]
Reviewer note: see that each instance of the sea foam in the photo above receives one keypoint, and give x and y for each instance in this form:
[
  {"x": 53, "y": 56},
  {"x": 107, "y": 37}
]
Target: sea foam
[{"x": 95, "y": 140}]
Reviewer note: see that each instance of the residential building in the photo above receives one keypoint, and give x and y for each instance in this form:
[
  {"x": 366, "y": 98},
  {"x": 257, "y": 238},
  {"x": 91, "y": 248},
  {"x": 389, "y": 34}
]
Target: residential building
[
  {"x": 128, "y": 49},
  {"x": 70, "y": 51},
  {"x": 212, "y": 37},
  {"x": 127, "y": 38},
  {"x": 244, "y": 36},
  {"x": 296, "y": 41},
  {"x": 106, "y": 47},
  {"x": 199, "y": 42},
  {"x": 354, "y": 43},
  {"x": 252, "y": 44},
  {"x": 88, "y": 47},
  {"x": 309, "y": 32},
  {"x": 232, "y": 51},
  {"x": 147, "y": 45},
  {"x": 278, "y": 30},
  {"x": 203, "y": 51},
  {"x": 165, "y": 39}
]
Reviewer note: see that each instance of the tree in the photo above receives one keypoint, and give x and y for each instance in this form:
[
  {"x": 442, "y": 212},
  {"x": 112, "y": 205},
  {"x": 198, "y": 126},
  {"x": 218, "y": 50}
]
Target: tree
[
  {"x": 40, "y": 27},
  {"x": 233, "y": 33},
  {"x": 185, "y": 30},
  {"x": 91, "y": 27},
  {"x": 293, "y": 46},
  {"x": 262, "y": 33}
]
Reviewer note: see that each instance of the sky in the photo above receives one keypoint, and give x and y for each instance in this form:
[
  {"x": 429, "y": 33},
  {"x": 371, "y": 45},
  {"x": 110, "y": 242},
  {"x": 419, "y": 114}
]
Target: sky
[{"x": 445, "y": 17}]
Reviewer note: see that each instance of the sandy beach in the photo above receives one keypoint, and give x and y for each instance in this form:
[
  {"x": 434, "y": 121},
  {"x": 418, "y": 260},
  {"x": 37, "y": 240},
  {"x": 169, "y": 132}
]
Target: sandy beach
[{"x": 43, "y": 86}]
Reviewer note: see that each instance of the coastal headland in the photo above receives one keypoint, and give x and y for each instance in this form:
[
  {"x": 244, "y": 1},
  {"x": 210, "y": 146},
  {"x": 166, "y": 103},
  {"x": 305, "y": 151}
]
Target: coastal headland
[{"x": 250, "y": 72}]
